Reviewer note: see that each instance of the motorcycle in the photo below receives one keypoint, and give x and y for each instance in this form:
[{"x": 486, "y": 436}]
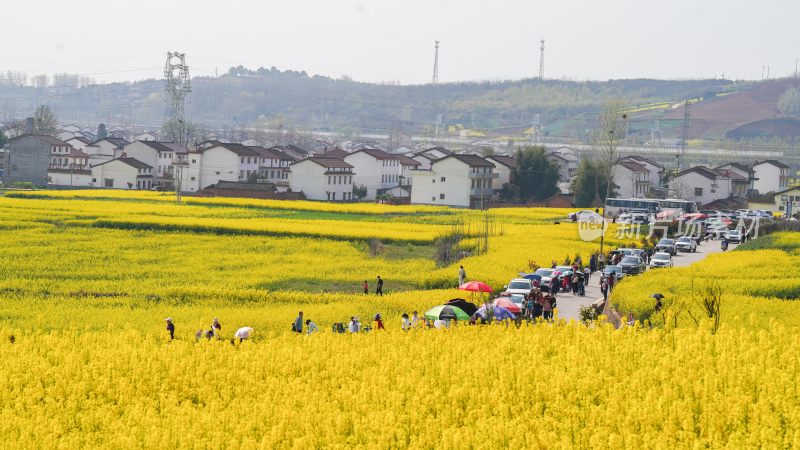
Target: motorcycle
[{"x": 724, "y": 245}]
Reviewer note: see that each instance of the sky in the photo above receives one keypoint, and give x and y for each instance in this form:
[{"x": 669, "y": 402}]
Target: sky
[{"x": 393, "y": 40}]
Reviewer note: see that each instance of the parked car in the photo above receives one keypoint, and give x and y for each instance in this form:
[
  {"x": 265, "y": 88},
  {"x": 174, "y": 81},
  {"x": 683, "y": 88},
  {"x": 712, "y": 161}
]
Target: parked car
[
  {"x": 686, "y": 244},
  {"x": 632, "y": 265},
  {"x": 519, "y": 286},
  {"x": 546, "y": 275},
  {"x": 660, "y": 259},
  {"x": 618, "y": 273},
  {"x": 631, "y": 252},
  {"x": 667, "y": 245},
  {"x": 633, "y": 219},
  {"x": 584, "y": 215},
  {"x": 734, "y": 236}
]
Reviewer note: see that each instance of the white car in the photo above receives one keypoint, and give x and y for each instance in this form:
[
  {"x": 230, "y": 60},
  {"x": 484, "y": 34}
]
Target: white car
[
  {"x": 546, "y": 275},
  {"x": 585, "y": 215},
  {"x": 661, "y": 259},
  {"x": 686, "y": 244},
  {"x": 733, "y": 236},
  {"x": 519, "y": 286}
]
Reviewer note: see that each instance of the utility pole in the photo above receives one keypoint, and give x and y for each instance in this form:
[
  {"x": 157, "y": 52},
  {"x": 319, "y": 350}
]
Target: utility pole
[
  {"x": 177, "y": 86},
  {"x": 685, "y": 140},
  {"x": 541, "y": 61},
  {"x": 435, "y": 79},
  {"x": 179, "y": 166}
]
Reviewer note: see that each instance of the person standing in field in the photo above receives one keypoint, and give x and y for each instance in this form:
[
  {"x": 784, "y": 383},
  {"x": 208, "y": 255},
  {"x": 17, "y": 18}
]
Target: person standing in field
[
  {"x": 298, "y": 323},
  {"x": 311, "y": 327},
  {"x": 379, "y": 289},
  {"x": 547, "y": 308},
  {"x": 170, "y": 328},
  {"x": 216, "y": 328},
  {"x": 414, "y": 319},
  {"x": 406, "y": 324},
  {"x": 462, "y": 276},
  {"x": 379, "y": 322},
  {"x": 366, "y": 287}
]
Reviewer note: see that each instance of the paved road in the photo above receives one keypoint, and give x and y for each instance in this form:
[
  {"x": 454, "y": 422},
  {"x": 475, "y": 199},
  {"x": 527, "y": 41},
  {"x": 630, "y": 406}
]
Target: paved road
[{"x": 569, "y": 304}]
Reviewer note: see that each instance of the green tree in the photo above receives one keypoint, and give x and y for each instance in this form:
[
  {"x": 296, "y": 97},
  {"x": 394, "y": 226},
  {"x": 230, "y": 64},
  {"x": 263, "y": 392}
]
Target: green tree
[
  {"x": 789, "y": 102},
  {"x": 102, "y": 133},
  {"x": 590, "y": 184},
  {"x": 44, "y": 121},
  {"x": 535, "y": 177},
  {"x": 359, "y": 191},
  {"x": 3, "y": 139}
]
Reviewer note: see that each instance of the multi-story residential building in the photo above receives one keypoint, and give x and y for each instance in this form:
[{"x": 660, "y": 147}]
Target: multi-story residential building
[
  {"x": 656, "y": 170},
  {"x": 161, "y": 156},
  {"x": 123, "y": 173},
  {"x": 220, "y": 162},
  {"x": 742, "y": 170},
  {"x": 503, "y": 166},
  {"x": 320, "y": 178},
  {"x": 69, "y": 167},
  {"x": 274, "y": 165},
  {"x": 79, "y": 142},
  {"x": 406, "y": 166},
  {"x": 454, "y": 180},
  {"x": 770, "y": 176},
  {"x": 29, "y": 156},
  {"x": 374, "y": 169},
  {"x": 632, "y": 179},
  {"x": 700, "y": 184}
]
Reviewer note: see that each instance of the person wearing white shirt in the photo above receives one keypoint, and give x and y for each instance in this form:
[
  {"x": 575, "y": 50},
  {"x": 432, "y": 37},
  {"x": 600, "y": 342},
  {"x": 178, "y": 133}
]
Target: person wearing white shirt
[
  {"x": 242, "y": 334},
  {"x": 311, "y": 327},
  {"x": 406, "y": 322}
]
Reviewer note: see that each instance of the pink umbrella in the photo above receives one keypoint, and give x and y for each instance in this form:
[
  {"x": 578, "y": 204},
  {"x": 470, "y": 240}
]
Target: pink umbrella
[
  {"x": 475, "y": 286},
  {"x": 504, "y": 302}
]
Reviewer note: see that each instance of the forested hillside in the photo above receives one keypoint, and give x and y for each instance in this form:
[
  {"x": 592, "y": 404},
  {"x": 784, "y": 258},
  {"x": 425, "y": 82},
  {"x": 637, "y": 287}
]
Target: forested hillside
[{"x": 242, "y": 96}]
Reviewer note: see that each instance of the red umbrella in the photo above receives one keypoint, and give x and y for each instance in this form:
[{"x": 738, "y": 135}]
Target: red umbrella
[
  {"x": 475, "y": 286},
  {"x": 504, "y": 302}
]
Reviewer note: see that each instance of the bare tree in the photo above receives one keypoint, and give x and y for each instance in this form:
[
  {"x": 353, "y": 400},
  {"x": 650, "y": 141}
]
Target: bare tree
[
  {"x": 44, "y": 121},
  {"x": 613, "y": 127}
]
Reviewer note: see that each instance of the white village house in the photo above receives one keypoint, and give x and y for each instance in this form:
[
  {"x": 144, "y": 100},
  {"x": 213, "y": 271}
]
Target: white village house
[
  {"x": 161, "y": 156},
  {"x": 454, "y": 180},
  {"x": 321, "y": 178},
  {"x": 374, "y": 169},
  {"x": 123, "y": 173},
  {"x": 503, "y": 165},
  {"x": 632, "y": 179},
  {"x": 770, "y": 176},
  {"x": 701, "y": 184},
  {"x": 220, "y": 162},
  {"x": 69, "y": 167}
]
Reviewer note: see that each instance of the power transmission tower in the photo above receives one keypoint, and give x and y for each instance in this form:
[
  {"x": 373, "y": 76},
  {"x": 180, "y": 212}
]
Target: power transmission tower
[
  {"x": 685, "y": 140},
  {"x": 541, "y": 61},
  {"x": 436, "y": 64},
  {"x": 177, "y": 87}
]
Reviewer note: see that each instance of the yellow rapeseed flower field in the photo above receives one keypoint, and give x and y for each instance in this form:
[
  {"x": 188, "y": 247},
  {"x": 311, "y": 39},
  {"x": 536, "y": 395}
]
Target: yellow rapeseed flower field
[{"x": 87, "y": 278}]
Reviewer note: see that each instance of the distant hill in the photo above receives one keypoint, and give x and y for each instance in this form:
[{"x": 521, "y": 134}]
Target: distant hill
[
  {"x": 291, "y": 98},
  {"x": 757, "y": 104}
]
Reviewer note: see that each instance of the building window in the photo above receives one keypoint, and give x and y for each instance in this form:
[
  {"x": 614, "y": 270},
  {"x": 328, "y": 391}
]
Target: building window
[
  {"x": 194, "y": 161},
  {"x": 433, "y": 180},
  {"x": 192, "y": 178},
  {"x": 441, "y": 196},
  {"x": 109, "y": 183},
  {"x": 442, "y": 180},
  {"x": 433, "y": 199},
  {"x": 698, "y": 192}
]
